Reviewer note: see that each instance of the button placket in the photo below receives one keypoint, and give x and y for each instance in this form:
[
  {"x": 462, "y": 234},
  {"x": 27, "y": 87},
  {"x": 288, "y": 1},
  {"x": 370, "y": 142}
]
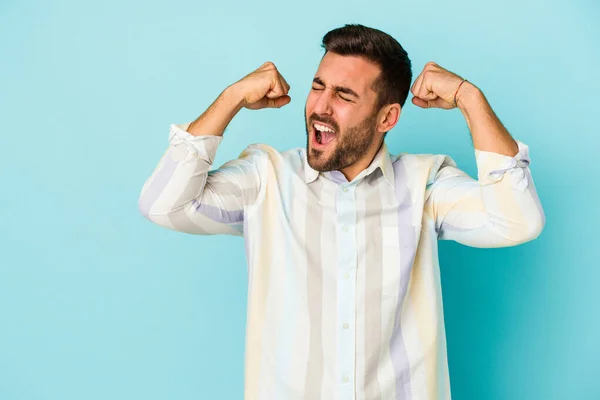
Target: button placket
[{"x": 346, "y": 302}]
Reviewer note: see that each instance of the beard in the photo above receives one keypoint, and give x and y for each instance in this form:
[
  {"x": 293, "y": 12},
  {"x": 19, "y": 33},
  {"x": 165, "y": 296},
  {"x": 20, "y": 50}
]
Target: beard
[{"x": 351, "y": 146}]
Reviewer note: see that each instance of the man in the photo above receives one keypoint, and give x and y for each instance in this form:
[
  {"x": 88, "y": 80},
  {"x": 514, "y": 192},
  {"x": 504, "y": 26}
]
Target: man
[{"x": 344, "y": 298}]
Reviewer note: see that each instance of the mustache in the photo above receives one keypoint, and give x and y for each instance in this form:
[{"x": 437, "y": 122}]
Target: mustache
[{"x": 324, "y": 120}]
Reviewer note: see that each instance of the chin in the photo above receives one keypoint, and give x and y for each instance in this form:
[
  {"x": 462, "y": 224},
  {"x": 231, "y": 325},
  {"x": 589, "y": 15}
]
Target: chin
[{"x": 317, "y": 159}]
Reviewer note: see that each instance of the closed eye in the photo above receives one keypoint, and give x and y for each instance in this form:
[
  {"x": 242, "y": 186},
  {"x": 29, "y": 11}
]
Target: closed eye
[{"x": 338, "y": 93}]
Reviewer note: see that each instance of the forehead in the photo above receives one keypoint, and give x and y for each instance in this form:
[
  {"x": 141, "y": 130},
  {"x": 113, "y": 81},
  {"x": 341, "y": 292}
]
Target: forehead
[{"x": 354, "y": 72}]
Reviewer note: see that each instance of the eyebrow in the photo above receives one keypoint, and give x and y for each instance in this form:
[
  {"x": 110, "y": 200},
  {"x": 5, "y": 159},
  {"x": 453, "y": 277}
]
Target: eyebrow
[{"x": 341, "y": 89}]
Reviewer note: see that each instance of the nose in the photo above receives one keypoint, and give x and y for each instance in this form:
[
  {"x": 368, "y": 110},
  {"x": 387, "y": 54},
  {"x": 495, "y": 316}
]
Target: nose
[{"x": 323, "y": 103}]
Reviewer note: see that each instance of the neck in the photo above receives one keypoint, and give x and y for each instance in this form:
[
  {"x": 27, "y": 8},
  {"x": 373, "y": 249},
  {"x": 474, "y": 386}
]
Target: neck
[{"x": 351, "y": 171}]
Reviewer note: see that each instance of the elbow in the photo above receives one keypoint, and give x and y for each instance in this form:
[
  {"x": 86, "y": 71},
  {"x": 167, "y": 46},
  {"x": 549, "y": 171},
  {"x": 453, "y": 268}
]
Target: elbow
[
  {"x": 144, "y": 207},
  {"x": 149, "y": 210},
  {"x": 157, "y": 215},
  {"x": 541, "y": 222},
  {"x": 534, "y": 231},
  {"x": 537, "y": 225},
  {"x": 531, "y": 229}
]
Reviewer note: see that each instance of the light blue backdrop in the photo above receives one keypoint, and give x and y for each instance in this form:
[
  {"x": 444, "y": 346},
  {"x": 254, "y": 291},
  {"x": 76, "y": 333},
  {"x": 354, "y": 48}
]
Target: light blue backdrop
[{"x": 97, "y": 303}]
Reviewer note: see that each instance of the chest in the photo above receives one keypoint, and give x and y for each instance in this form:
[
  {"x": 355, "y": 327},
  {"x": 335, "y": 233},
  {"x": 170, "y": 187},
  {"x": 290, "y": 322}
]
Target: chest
[{"x": 362, "y": 216}]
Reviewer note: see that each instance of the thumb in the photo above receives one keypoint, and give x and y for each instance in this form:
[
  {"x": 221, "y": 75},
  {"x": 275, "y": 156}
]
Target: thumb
[
  {"x": 420, "y": 102},
  {"x": 279, "y": 102},
  {"x": 438, "y": 102}
]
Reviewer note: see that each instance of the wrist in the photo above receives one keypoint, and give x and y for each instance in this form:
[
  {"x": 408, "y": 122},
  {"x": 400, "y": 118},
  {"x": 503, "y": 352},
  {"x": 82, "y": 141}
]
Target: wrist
[
  {"x": 234, "y": 96},
  {"x": 468, "y": 96}
]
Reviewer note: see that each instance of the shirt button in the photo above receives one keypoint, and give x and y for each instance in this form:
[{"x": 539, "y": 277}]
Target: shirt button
[
  {"x": 345, "y": 190},
  {"x": 347, "y": 275},
  {"x": 345, "y": 229},
  {"x": 346, "y": 326},
  {"x": 345, "y": 379}
]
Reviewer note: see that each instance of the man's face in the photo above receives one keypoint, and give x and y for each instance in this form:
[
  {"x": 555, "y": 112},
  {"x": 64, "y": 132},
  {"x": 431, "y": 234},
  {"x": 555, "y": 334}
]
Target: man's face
[{"x": 342, "y": 100}]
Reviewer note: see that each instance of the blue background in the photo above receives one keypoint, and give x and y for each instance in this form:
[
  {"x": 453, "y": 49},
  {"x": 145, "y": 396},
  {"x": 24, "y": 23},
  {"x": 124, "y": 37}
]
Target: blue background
[{"x": 98, "y": 303}]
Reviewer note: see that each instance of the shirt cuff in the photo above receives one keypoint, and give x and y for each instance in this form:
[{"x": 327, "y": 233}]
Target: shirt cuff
[
  {"x": 204, "y": 146},
  {"x": 493, "y": 167}
]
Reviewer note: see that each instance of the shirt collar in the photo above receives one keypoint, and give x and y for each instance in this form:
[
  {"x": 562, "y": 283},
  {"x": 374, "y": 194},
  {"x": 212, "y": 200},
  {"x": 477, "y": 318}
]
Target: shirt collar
[{"x": 382, "y": 160}]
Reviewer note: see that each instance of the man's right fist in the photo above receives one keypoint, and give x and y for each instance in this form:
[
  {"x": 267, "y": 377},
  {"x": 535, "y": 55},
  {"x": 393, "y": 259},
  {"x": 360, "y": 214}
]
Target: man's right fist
[{"x": 264, "y": 88}]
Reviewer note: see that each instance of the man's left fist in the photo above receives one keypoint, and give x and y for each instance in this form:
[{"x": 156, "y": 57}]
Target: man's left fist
[{"x": 435, "y": 87}]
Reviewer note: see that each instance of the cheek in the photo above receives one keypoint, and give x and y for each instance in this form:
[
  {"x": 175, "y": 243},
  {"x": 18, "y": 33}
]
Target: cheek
[
  {"x": 345, "y": 118},
  {"x": 310, "y": 104}
]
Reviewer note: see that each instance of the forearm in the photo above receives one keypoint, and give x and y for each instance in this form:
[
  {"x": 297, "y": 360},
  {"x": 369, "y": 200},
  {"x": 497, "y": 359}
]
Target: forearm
[
  {"x": 487, "y": 131},
  {"x": 220, "y": 113}
]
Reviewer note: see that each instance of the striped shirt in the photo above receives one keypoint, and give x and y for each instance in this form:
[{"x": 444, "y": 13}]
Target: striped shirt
[{"x": 344, "y": 295}]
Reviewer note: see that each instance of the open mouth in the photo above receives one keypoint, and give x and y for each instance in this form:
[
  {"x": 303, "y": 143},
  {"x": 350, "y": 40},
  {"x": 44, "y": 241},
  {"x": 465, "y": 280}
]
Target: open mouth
[{"x": 323, "y": 135}]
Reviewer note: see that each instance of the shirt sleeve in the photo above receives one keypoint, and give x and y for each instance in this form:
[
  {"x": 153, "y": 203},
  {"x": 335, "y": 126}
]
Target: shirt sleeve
[
  {"x": 499, "y": 209},
  {"x": 185, "y": 195}
]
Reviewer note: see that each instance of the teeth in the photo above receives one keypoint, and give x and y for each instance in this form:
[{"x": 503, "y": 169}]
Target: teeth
[{"x": 323, "y": 128}]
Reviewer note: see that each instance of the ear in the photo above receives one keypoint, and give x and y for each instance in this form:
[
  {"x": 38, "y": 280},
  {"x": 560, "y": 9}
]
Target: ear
[{"x": 388, "y": 117}]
